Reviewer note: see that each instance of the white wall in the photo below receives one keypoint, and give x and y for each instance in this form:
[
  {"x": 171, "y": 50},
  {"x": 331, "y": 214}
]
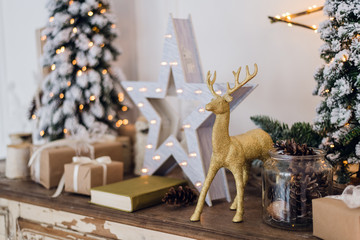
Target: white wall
[
  {"x": 233, "y": 33},
  {"x": 229, "y": 33}
]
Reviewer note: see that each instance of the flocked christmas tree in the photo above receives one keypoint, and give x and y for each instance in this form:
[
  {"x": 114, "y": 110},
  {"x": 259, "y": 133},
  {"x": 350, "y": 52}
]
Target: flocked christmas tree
[
  {"x": 81, "y": 91},
  {"x": 338, "y": 82}
]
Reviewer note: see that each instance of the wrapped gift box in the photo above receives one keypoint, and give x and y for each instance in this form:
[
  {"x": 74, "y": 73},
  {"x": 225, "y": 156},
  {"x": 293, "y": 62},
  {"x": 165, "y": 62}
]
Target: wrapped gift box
[
  {"x": 49, "y": 167},
  {"x": 332, "y": 219},
  {"x": 91, "y": 175}
]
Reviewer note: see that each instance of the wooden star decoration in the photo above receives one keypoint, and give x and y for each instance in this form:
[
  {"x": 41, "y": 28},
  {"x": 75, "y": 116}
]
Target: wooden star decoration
[{"x": 181, "y": 75}]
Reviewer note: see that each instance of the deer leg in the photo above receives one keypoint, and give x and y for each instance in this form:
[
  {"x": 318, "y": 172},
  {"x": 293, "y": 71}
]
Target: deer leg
[
  {"x": 239, "y": 181},
  {"x": 200, "y": 204}
]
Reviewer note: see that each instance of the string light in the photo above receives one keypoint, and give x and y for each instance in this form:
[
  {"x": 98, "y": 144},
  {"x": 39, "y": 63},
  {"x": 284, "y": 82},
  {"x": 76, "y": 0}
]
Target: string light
[
  {"x": 327, "y": 90},
  {"x": 198, "y": 91},
  {"x": 68, "y": 83},
  {"x": 186, "y": 126},
  {"x": 91, "y": 44},
  {"x": 129, "y": 89},
  {"x": 102, "y": 11},
  {"x": 57, "y": 51},
  {"x": 345, "y": 162},
  {"x": 79, "y": 73},
  {"x": 179, "y": 90},
  {"x": 113, "y": 26},
  {"x": 168, "y": 36},
  {"x": 33, "y": 116},
  {"x": 169, "y": 144},
  {"x": 289, "y": 24},
  {"x": 198, "y": 184},
  {"x": 42, "y": 133},
  {"x": 158, "y": 90},
  {"x": 332, "y": 145},
  {"x": 153, "y": 121},
  {"x": 149, "y": 146},
  {"x": 124, "y": 108},
  {"x": 110, "y": 117},
  {"x": 92, "y": 98},
  {"x": 81, "y": 107},
  {"x": 51, "y": 94},
  {"x": 104, "y": 71},
  {"x": 201, "y": 110},
  {"x": 72, "y": 21},
  {"x": 65, "y": 130},
  {"x": 156, "y": 157},
  {"x": 43, "y": 37},
  {"x": 144, "y": 170},
  {"x": 140, "y": 104},
  {"x": 102, "y": 45},
  {"x": 90, "y": 13},
  {"x": 61, "y": 95},
  {"x": 51, "y": 19},
  {"x": 218, "y": 92},
  {"x": 84, "y": 68},
  {"x": 95, "y": 29},
  {"x": 121, "y": 97},
  {"x": 125, "y": 121},
  {"x": 71, "y": 2},
  {"x": 53, "y": 67},
  {"x": 100, "y": 5},
  {"x": 183, "y": 163},
  {"x": 119, "y": 123},
  {"x": 163, "y": 63},
  {"x": 173, "y": 63},
  {"x": 344, "y": 58},
  {"x": 74, "y": 30},
  {"x": 73, "y": 62},
  {"x": 143, "y": 89},
  {"x": 193, "y": 154}
]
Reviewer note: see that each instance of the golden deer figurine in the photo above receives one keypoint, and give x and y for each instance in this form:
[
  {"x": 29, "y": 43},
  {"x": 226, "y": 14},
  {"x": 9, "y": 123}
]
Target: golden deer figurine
[{"x": 234, "y": 153}]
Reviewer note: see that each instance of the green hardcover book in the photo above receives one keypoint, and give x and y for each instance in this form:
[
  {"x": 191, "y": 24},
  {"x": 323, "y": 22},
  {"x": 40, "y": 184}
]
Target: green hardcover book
[{"x": 134, "y": 194}]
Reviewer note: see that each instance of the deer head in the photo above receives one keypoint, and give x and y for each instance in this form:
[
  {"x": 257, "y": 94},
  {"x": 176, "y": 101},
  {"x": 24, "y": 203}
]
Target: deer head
[{"x": 220, "y": 104}]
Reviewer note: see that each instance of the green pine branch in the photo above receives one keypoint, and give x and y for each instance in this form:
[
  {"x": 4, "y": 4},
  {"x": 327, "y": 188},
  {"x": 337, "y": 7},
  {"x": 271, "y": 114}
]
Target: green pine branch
[{"x": 301, "y": 132}]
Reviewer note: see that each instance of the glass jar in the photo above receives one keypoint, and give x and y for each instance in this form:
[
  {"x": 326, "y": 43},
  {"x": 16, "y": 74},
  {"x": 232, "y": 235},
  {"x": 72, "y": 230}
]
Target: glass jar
[{"x": 289, "y": 183}]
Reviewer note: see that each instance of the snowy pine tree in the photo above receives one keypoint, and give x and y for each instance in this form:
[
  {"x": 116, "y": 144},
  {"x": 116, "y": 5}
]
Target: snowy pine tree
[
  {"x": 338, "y": 82},
  {"x": 81, "y": 91}
]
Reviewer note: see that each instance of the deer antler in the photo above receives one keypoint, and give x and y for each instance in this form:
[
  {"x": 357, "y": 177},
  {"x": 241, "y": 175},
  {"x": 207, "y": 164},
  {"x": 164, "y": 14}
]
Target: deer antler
[
  {"x": 239, "y": 85},
  {"x": 210, "y": 83}
]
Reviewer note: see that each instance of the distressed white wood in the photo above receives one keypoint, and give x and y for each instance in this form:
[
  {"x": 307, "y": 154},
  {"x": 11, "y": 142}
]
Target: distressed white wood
[
  {"x": 66, "y": 221},
  {"x": 181, "y": 75}
]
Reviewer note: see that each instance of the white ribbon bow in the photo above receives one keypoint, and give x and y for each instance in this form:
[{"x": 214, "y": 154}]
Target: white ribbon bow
[
  {"x": 350, "y": 196},
  {"x": 78, "y": 162}
]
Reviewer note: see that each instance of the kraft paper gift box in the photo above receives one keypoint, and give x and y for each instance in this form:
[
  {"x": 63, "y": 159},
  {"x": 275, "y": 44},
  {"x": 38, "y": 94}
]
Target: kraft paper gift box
[
  {"x": 49, "y": 167},
  {"x": 333, "y": 220},
  {"x": 91, "y": 175}
]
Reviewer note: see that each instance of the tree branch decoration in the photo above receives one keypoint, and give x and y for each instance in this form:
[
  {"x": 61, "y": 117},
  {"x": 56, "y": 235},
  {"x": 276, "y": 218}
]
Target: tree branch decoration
[{"x": 287, "y": 17}]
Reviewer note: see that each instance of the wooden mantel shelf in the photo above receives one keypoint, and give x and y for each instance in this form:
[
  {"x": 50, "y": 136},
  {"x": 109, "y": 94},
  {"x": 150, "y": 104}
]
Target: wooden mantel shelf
[{"x": 215, "y": 221}]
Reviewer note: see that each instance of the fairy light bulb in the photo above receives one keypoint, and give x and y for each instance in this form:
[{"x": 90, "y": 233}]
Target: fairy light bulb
[
  {"x": 156, "y": 157},
  {"x": 102, "y": 45},
  {"x": 119, "y": 123},
  {"x": 100, "y": 5},
  {"x": 110, "y": 117},
  {"x": 79, "y": 73},
  {"x": 53, "y": 67},
  {"x": 43, "y": 37},
  {"x": 169, "y": 144},
  {"x": 102, "y": 11},
  {"x": 193, "y": 154},
  {"x": 113, "y": 26},
  {"x": 51, "y": 94},
  {"x": 186, "y": 126},
  {"x": 344, "y": 58},
  {"x": 71, "y": 2},
  {"x": 198, "y": 184},
  {"x": 327, "y": 90},
  {"x": 74, "y": 62},
  {"x": 277, "y": 16},
  {"x": 129, "y": 89},
  {"x": 140, "y": 104},
  {"x": 84, "y": 68},
  {"x": 149, "y": 146},
  {"x": 179, "y": 90},
  {"x": 219, "y": 92},
  {"x": 163, "y": 63},
  {"x": 158, "y": 90},
  {"x": 198, "y": 91},
  {"x": 121, "y": 97},
  {"x": 144, "y": 170},
  {"x": 201, "y": 110},
  {"x": 173, "y": 63},
  {"x": 124, "y": 108},
  {"x": 332, "y": 145},
  {"x": 33, "y": 116},
  {"x": 91, "y": 44},
  {"x": 289, "y": 24},
  {"x": 51, "y": 19},
  {"x": 58, "y": 51},
  {"x": 142, "y": 89},
  {"x": 104, "y": 71},
  {"x": 92, "y": 98},
  {"x": 68, "y": 83},
  {"x": 95, "y": 29},
  {"x": 167, "y": 36},
  {"x": 125, "y": 121},
  {"x": 153, "y": 121},
  {"x": 72, "y": 21},
  {"x": 42, "y": 133},
  {"x": 183, "y": 163},
  {"x": 81, "y": 107},
  {"x": 74, "y": 30},
  {"x": 65, "y": 131},
  {"x": 90, "y": 13},
  {"x": 61, "y": 95}
]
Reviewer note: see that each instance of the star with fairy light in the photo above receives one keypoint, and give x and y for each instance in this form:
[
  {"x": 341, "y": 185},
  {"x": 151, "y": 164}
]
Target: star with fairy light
[{"x": 181, "y": 76}]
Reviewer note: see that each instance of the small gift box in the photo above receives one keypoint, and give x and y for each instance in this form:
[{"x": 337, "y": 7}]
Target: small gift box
[
  {"x": 48, "y": 166},
  {"x": 84, "y": 174},
  {"x": 334, "y": 219}
]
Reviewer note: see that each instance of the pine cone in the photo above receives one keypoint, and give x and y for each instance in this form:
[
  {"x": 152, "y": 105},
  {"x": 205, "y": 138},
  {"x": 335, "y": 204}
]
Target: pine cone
[
  {"x": 290, "y": 147},
  {"x": 183, "y": 196}
]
